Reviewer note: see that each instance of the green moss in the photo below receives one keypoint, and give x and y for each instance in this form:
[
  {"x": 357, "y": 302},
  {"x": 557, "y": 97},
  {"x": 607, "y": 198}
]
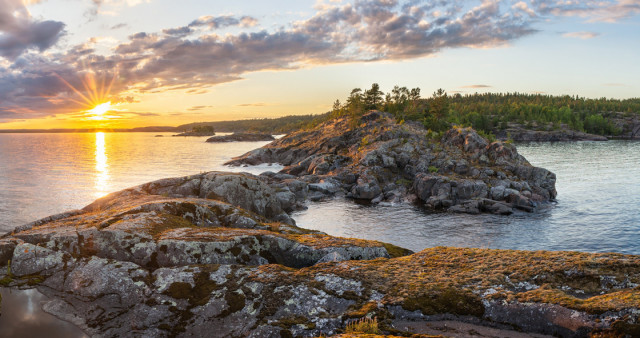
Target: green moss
[
  {"x": 6, "y": 281},
  {"x": 179, "y": 290},
  {"x": 197, "y": 295},
  {"x": 167, "y": 222},
  {"x": 396, "y": 251},
  {"x": 235, "y": 301},
  {"x": 34, "y": 279},
  {"x": 236, "y": 251},
  {"x": 288, "y": 322},
  {"x": 626, "y": 329},
  {"x": 446, "y": 300},
  {"x": 404, "y": 182},
  {"x": 286, "y": 334}
]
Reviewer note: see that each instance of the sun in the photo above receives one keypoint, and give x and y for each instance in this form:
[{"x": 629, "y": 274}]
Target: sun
[
  {"x": 100, "y": 109},
  {"x": 93, "y": 96}
]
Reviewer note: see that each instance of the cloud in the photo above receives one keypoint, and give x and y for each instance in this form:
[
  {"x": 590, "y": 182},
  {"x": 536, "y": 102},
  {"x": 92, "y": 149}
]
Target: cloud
[
  {"x": 19, "y": 32},
  {"x": 196, "y": 108},
  {"x": 118, "y": 26},
  {"x": 211, "y": 23},
  {"x": 259, "y": 104},
  {"x": 614, "y": 85},
  {"x": 592, "y": 10},
  {"x": 477, "y": 86},
  {"x": 194, "y": 57},
  {"x": 581, "y": 35}
]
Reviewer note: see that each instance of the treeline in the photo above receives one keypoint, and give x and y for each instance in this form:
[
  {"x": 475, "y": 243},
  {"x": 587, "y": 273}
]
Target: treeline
[
  {"x": 281, "y": 125},
  {"x": 488, "y": 112}
]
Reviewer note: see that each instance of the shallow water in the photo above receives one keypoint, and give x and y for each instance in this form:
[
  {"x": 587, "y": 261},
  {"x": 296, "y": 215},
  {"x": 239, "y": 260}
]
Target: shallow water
[{"x": 21, "y": 316}]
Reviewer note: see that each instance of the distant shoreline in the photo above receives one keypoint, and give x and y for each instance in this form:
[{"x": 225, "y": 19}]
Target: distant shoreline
[{"x": 90, "y": 130}]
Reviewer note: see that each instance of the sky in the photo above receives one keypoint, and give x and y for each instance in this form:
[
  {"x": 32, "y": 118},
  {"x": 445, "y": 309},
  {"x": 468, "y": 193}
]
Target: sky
[{"x": 167, "y": 62}]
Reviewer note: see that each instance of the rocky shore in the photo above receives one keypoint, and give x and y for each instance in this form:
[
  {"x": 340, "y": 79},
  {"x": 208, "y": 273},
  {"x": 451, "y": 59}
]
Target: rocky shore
[
  {"x": 380, "y": 160},
  {"x": 628, "y": 123},
  {"x": 194, "y": 133},
  {"x": 218, "y": 254},
  {"x": 525, "y": 135},
  {"x": 242, "y": 137},
  {"x": 217, "y": 251}
]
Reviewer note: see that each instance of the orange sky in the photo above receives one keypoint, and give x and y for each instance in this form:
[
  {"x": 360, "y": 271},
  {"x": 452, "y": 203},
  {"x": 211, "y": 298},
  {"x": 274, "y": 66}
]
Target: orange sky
[{"x": 213, "y": 60}]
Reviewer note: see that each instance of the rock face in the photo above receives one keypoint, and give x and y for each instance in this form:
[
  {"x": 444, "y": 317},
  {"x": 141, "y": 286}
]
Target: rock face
[
  {"x": 197, "y": 133},
  {"x": 140, "y": 264},
  {"x": 215, "y": 254},
  {"x": 381, "y": 160},
  {"x": 242, "y": 137},
  {"x": 628, "y": 123},
  {"x": 524, "y": 135},
  {"x": 176, "y": 256}
]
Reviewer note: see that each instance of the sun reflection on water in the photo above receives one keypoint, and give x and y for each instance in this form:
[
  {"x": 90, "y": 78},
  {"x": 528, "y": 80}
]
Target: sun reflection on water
[{"x": 102, "y": 167}]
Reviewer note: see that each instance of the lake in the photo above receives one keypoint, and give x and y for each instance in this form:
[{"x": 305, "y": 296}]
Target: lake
[{"x": 597, "y": 208}]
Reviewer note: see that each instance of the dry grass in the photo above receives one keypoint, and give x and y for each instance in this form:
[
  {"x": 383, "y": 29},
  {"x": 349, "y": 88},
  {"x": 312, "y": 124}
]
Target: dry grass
[{"x": 363, "y": 325}]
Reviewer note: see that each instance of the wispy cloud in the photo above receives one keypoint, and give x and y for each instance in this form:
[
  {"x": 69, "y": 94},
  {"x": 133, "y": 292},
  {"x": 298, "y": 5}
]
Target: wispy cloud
[
  {"x": 118, "y": 26},
  {"x": 592, "y": 10},
  {"x": 259, "y": 104},
  {"x": 477, "y": 86},
  {"x": 196, "y": 108},
  {"x": 580, "y": 35}
]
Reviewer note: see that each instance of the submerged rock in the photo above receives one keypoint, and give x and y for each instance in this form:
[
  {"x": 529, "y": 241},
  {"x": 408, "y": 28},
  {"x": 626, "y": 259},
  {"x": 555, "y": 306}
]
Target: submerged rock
[
  {"x": 382, "y": 160},
  {"x": 242, "y": 137}
]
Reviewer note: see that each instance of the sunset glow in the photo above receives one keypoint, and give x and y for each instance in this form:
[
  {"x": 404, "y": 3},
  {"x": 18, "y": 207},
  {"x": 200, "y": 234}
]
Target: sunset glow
[
  {"x": 220, "y": 60},
  {"x": 99, "y": 110}
]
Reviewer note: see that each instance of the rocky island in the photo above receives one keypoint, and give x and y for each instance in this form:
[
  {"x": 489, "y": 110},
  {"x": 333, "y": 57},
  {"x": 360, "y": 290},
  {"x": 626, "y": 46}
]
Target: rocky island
[
  {"x": 198, "y": 131},
  {"x": 218, "y": 253},
  {"x": 380, "y": 159},
  {"x": 242, "y": 137}
]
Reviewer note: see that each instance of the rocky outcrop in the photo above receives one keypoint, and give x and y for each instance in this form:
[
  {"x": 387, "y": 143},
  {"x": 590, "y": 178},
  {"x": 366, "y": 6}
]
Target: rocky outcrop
[
  {"x": 563, "y": 135},
  {"x": 199, "y": 132},
  {"x": 215, "y": 254},
  {"x": 382, "y": 160},
  {"x": 627, "y": 123},
  {"x": 150, "y": 265},
  {"x": 242, "y": 137}
]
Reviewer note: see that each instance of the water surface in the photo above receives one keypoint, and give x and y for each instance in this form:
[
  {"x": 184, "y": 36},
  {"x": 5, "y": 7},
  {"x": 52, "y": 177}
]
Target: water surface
[
  {"x": 597, "y": 209},
  {"x": 21, "y": 315},
  {"x": 45, "y": 174}
]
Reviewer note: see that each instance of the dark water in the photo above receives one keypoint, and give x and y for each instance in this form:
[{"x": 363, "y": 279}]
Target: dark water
[
  {"x": 22, "y": 316},
  {"x": 597, "y": 209}
]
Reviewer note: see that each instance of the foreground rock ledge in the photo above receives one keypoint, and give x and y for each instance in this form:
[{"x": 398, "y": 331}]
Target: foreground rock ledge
[
  {"x": 375, "y": 158},
  {"x": 191, "y": 256}
]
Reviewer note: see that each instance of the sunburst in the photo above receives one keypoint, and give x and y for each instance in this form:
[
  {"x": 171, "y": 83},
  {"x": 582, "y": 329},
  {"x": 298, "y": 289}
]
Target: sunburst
[{"x": 94, "y": 96}]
